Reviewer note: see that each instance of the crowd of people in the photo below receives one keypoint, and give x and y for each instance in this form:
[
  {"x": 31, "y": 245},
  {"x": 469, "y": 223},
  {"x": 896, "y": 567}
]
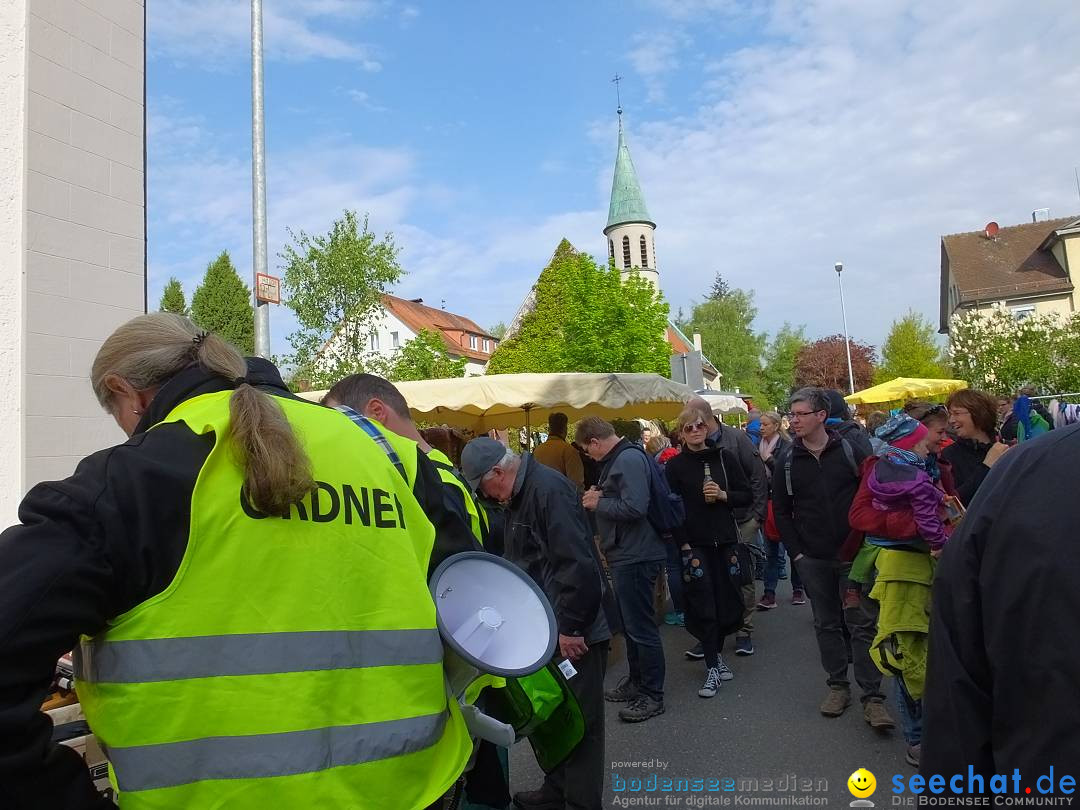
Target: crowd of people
[{"x": 181, "y": 568}]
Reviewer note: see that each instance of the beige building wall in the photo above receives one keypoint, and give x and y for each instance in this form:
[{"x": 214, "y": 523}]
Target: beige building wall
[
  {"x": 1061, "y": 304},
  {"x": 635, "y": 231},
  {"x": 80, "y": 210}
]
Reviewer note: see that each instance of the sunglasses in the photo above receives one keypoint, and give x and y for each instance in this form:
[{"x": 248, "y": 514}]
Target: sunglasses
[{"x": 699, "y": 425}]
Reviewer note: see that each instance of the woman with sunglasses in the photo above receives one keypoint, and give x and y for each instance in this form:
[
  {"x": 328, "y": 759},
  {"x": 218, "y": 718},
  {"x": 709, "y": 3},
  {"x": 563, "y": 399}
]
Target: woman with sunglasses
[{"x": 711, "y": 484}]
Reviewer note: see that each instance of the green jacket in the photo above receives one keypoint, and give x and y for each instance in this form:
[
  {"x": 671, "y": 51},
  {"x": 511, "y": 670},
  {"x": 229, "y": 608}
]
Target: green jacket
[{"x": 902, "y": 589}]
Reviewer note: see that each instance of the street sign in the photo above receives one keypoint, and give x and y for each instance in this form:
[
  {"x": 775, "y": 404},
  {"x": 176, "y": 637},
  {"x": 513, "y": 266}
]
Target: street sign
[{"x": 267, "y": 288}]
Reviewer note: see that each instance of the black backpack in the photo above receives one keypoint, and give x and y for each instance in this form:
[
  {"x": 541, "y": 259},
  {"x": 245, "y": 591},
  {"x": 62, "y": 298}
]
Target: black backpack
[{"x": 666, "y": 509}]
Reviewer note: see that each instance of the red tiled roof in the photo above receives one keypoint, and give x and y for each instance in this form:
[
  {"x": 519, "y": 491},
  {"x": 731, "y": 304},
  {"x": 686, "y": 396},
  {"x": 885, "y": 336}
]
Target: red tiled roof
[
  {"x": 1012, "y": 263},
  {"x": 455, "y": 329}
]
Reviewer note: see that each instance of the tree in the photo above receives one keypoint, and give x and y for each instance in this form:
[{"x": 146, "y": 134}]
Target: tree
[
  {"x": 997, "y": 353},
  {"x": 498, "y": 331},
  {"x": 728, "y": 339},
  {"x": 222, "y": 304},
  {"x": 424, "y": 358},
  {"x": 778, "y": 369},
  {"x": 334, "y": 285},
  {"x": 172, "y": 299},
  {"x": 910, "y": 350},
  {"x": 586, "y": 318},
  {"x": 720, "y": 288},
  {"x": 824, "y": 363}
]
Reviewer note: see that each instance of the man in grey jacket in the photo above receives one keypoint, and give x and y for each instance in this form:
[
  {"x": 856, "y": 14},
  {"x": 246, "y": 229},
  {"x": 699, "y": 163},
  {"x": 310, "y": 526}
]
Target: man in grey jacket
[
  {"x": 635, "y": 554},
  {"x": 750, "y": 518}
]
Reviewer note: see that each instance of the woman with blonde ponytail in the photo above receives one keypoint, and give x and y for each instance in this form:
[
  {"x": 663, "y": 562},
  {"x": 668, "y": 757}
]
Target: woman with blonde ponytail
[{"x": 242, "y": 555}]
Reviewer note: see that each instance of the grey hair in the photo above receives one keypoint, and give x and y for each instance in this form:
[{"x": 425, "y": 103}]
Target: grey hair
[{"x": 812, "y": 396}]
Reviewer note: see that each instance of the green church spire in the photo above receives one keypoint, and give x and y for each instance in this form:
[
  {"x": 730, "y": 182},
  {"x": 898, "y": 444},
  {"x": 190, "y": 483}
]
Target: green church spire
[{"x": 627, "y": 201}]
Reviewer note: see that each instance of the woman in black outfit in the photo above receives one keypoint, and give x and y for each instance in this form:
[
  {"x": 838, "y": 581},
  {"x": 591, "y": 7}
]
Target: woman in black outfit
[
  {"x": 973, "y": 419},
  {"x": 708, "y": 540}
]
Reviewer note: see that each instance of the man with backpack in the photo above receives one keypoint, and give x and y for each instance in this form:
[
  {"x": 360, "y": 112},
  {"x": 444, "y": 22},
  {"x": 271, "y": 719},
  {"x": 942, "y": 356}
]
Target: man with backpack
[
  {"x": 635, "y": 555},
  {"x": 814, "y": 483}
]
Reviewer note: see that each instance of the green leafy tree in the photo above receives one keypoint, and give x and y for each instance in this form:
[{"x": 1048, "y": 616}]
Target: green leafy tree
[
  {"x": 424, "y": 358},
  {"x": 824, "y": 363},
  {"x": 172, "y": 299},
  {"x": 728, "y": 339},
  {"x": 222, "y": 304},
  {"x": 334, "y": 284},
  {"x": 995, "y": 352},
  {"x": 498, "y": 331},
  {"x": 778, "y": 369},
  {"x": 586, "y": 318},
  {"x": 910, "y": 350}
]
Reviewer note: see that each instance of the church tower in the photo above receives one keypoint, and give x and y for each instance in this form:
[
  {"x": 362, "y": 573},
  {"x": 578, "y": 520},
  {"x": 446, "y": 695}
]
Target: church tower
[{"x": 629, "y": 228}]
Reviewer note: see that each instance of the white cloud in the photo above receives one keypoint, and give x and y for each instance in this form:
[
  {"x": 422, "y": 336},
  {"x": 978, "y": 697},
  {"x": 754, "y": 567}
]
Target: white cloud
[{"x": 654, "y": 55}]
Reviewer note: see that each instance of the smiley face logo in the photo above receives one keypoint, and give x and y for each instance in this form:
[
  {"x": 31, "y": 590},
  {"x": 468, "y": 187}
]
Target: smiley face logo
[{"x": 862, "y": 783}]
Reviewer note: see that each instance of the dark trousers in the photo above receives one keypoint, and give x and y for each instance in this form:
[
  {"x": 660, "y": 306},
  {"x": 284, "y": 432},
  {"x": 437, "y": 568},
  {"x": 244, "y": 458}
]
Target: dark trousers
[
  {"x": 634, "y": 583},
  {"x": 824, "y": 581},
  {"x": 580, "y": 780}
]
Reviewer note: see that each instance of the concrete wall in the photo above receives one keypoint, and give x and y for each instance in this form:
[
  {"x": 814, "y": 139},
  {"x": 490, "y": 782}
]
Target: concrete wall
[{"x": 82, "y": 212}]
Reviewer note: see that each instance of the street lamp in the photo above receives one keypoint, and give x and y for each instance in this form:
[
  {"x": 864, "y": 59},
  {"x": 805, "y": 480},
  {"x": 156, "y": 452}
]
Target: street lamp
[{"x": 839, "y": 267}]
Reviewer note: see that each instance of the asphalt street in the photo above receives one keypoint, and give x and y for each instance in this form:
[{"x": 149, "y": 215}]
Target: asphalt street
[{"x": 763, "y": 725}]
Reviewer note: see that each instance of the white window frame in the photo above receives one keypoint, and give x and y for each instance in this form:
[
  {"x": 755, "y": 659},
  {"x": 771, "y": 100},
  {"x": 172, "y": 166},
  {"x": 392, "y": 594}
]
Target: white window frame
[
  {"x": 487, "y": 345},
  {"x": 1022, "y": 311},
  {"x": 373, "y": 341},
  {"x": 474, "y": 342},
  {"x": 395, "y": 339}
]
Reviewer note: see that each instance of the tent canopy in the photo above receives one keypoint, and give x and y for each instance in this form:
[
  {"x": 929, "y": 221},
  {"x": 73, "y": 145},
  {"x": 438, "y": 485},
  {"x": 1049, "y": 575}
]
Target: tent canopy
[
  {"x": 501, "y": 401},
  {"x": 904, "y": 388},
  {"x": 723, "y": 402}
]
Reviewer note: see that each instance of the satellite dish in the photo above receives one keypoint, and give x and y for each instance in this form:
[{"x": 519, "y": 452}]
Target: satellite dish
[
  {"x": 991, "y": 230},
  {"x": 492, "y": 615}
]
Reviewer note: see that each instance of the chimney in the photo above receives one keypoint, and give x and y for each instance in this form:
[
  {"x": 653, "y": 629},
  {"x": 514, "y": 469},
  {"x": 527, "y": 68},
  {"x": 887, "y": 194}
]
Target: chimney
[
  {"x": 1040, "y": 215},
  {"x": 697, "y": 341},
  {"x": 416, "y": 300}
]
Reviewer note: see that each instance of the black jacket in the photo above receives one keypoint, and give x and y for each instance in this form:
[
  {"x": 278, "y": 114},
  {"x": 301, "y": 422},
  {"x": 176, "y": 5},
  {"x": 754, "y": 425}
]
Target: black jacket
[
  {"x": 966, "y": 457},
  {"x": 549, "y": 538},
  {"x": 742, "y": 450},
  {"x": 814, "y": 521},
  {"x": 1003, "y": 664},
  {"x": 708, "y": 524},
  {"x": 93, "y": 546}
]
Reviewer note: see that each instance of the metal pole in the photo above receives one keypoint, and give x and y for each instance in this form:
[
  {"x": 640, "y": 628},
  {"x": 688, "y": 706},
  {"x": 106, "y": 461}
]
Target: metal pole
[
  {"x": 847, "y": 341},
  {"x": 258, "y": 180}
]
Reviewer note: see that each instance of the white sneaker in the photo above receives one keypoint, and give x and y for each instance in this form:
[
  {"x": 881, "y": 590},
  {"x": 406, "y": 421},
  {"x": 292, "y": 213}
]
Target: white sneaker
[
  {"x": 712, "y": 684},
  {"x": 725, "y": 673}
]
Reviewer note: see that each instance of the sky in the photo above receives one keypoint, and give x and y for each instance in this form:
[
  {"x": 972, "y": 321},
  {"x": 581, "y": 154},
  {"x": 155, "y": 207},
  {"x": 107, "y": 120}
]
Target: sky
[{"x": 772, "y": 138}]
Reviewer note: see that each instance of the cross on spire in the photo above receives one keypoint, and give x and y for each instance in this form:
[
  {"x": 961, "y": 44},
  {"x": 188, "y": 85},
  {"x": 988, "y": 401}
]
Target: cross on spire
[{"x": 618, "y": 96}]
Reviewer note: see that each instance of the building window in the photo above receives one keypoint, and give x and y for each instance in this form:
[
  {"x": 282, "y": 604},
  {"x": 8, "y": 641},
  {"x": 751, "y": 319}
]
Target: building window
[
  {"x": 473, "y": 342},
  {"x": 373, "y": 341},
  {"x": 610, "y": 250},
  {"x": 644, "y": 251},
  {"x": 395, "y": 339},
  {"x": 1026, "y": 311},
  {"x": 487, "y": 345},
  {"x": 626, "y": 251}
]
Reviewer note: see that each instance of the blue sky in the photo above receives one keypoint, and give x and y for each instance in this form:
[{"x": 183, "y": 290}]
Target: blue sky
[{"x": 772, "y": 138}]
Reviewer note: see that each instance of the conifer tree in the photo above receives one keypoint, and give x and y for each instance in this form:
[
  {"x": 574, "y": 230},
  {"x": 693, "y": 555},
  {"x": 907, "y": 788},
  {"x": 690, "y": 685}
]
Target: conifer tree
[
  {"x": 172, "y": 299},
  {"x": 222, "y": 304}
]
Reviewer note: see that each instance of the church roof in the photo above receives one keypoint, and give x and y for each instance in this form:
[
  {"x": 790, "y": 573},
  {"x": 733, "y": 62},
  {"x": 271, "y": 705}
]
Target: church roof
[{"x": 627, "y": 201}]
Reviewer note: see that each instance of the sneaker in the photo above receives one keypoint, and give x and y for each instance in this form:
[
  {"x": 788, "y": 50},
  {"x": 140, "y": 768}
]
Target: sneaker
[
  {"x": 798, "y": 596},
  {"x": 695, "y": 653},
  {"x": 725, "y": 671},
  {"x": 712, "y": 683},
  {"x": 641, "y": 708},
  {"x": 768, "y": 602},
  {"x": 538, "y": 800},
  {"x": 837, "y": 701},
  {"x": 625, "y": 692},
  {"x": 744, "y": 645},
  {"x": 875, "y": 713},
  {"x": 672, "y": 618},
  {"x": 911, "y": 756},
  {"x": 783, "y": 573}
]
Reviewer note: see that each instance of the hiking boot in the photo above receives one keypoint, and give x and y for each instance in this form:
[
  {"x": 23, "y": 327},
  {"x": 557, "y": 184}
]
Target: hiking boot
[
  {"x": 837, "y": 701},
  {"x": 625, "y": 692},
  {"x": 798, "y": 596},
  {"x": 875, "y": 714},
  {"x": 712, "y": 683},
  {"x": 695, "y": 653},
  {"x": 641, "y": 708},
  {"x": 744, "y": 645},
  {"x": 725, "y": 671},
  {"x": 768, "y": 602},
  {"x": 911, "y": 756},
  {"x": 538, "y": 800}
]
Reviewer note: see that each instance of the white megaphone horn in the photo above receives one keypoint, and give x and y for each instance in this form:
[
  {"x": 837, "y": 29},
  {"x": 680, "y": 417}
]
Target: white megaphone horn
[{"x": 493, "y": 619}]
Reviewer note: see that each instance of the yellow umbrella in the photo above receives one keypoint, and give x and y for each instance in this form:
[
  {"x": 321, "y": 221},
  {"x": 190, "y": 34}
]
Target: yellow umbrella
[
  {"x": 905, "y": 388},
  {"x": 501, "y": 401}
]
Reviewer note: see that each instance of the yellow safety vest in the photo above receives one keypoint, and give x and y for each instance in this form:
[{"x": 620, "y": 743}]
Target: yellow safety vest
[
  {"x": 478, "y": 520},
  {"x": 292, "y": 662}
]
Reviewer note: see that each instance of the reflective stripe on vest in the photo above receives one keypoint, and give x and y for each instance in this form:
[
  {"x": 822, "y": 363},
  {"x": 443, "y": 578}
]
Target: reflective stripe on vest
[
  {"x": 478, "y": 522},
  {"x": 261, "y": 756},
  {"x": 174, "y": 659}
]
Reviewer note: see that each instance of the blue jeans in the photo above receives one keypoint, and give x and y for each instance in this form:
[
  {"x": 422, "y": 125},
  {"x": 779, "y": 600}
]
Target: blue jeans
[
  {"x": 674, "y": 576},
  {"x": 774, "y": 561},
  {"x": 634, "y": 583},
  {"x": 910, "y": 714}
]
